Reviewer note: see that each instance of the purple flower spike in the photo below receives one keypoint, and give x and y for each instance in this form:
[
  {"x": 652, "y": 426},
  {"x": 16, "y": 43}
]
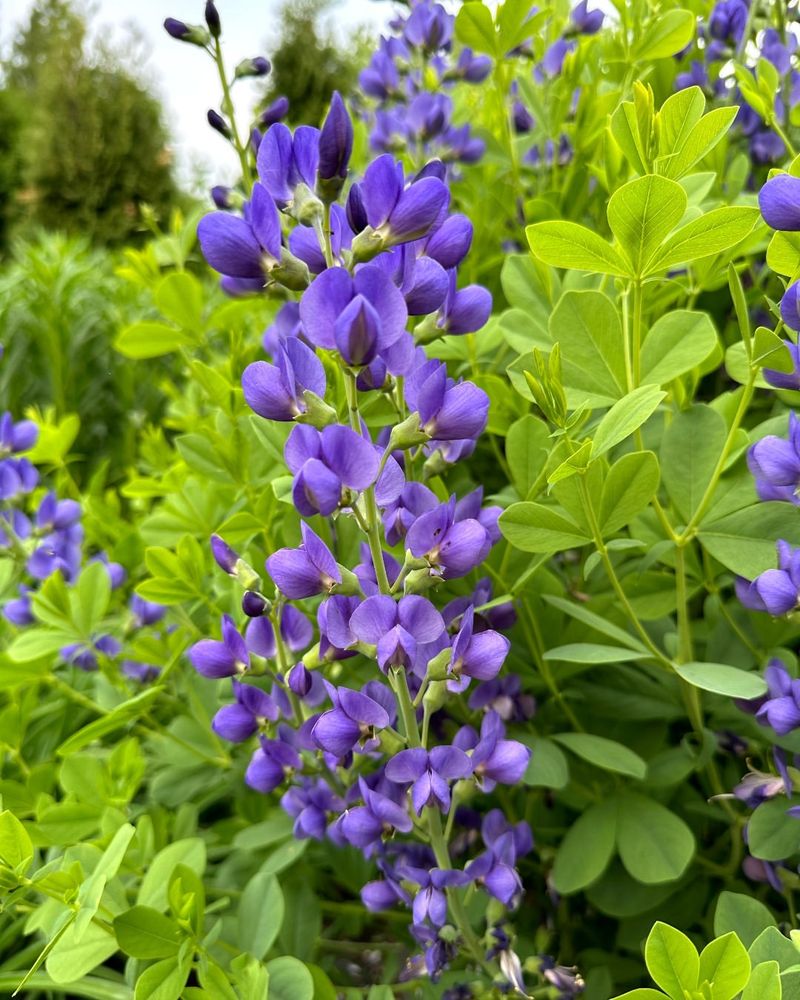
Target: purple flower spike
[
  {"x": 275, "y": 392},
  {"x": 429, "y": 774},
  {"x": 270, "y": 765},
  {"x": 779, "y": 201},
  {"x": 353, "y": 722},
  {"x": 225, "y": 658},
  {"x": 402, "y": 631},
  {"x": 324, "y": 463},
  {"x": 252, "y": 708},
  {"x": 305, "y": 571}
]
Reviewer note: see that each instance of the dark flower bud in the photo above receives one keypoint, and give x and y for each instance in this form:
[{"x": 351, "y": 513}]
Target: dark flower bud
[
  {"x": 253, "y": 604},
  {"x": 221, "y": 196},
  {"x": 433, "y": 168},
  {"x": 335, "y": 147},
  {"x": 218, "y": 123},
  {"x": 224, "y": 556},
  {"x": 194, "y": 34},
  {"x": 255, "y": 140},
  {"x": 258, "y": 66},
  {"x": 212, "y": 19},
  {"x": 355, "y": 210},
  {"x": 277, "y": 110},
  {"x": 299, "y": 680}
]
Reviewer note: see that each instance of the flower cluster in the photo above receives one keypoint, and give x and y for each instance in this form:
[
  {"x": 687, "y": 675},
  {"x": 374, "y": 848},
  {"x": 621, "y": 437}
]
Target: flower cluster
[
  {"x": 42, "y": 535},
  {"x": 725, "y": 36},
  {"x": 408, "y": 76},
  {"x": 387, "y": 714}
]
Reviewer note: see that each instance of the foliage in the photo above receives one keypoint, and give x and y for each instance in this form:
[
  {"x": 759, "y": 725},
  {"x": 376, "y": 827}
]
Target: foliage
[{"x": 640, "y": 365}]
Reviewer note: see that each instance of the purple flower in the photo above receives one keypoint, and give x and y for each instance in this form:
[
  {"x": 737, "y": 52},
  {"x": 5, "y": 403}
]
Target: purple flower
[
  {"x": 786, "y": 380},
  {"x": 428, "y": 773},
  {"x": 270, "y": 765},
  {"x": 326, "y": 462},
  {"x": 775, "y": 590},
  {"x": 780, "y": 707},
  {"x": 84, "y": 655},
  {"x": 243, "y": 248},
  {"x": 790, "y": 306},
  {"x": 465, "y": 310},
  {"x": 335, "y": 148},
  {"x": 775, "y": 464},
  {"x": 451, "y": 546},
  {"x": 553, "y": 60},
  {"x": 274, "y": 112},
  {"x": 286, "y": 161},
  {"x": 285, "y": 326},
  {"x": 304, "y": 242},
  {"x": 494, "y": 759},
  {"x": 398, "y": 213},
  {"x": 503, "y": 696},
  {"x": 429, "y": 27},
  {"x": 56, "y": 515},
  {"x": 352, "y": 722},
  {"x": 239, "y": 721},
  {"x": 449, "y": 244},
  {"x": 779, "y": 201},
  {"x": 221, "y": 658},
  {"x": 403, "y": 631},
  {"x": 695, "y": 76},
  {"x": 587, "y": 22},
  {"x": 475, "y": 654},
  {"x": 447, "y": 410},
  {"x": 277, "y": 392},
  {"x": 727, "y": 20},
  {"x": 145, "y": 612},
  {"x": 564, "y": 978},
  {"x": 415, "y": 499},
  {"x": 422, "y": 281},
  {"x": 296, "y": 632},
  {"x": 224, "y": 556},
  {"x": 430, "y": 903},
  {"x": 361, "y": 316},
  {"x": 778, "y": 52},
  {"x": 310, "y": 804},
  {"x": 304, "y": 571},
  {"x": 379, "y": 818},
  {"x": 16, "y": 437},
  {"x": 18, "y": 609},
  {"x": 472, "y": 68}
]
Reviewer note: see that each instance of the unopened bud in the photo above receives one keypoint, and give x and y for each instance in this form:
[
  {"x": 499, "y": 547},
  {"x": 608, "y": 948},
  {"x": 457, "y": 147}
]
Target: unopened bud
[
  {"x": 212, "y": 19},
  {"x": 254, "y": 605},
  {"x": 194, "y": 34},
  {"x": 257, "y": 66},
  {"x": 218, "y": 123},
  {"x": 299, "y": 680}
]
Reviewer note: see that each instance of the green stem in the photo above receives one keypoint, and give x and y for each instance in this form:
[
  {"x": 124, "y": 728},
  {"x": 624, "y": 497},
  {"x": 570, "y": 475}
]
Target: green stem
[
  {"x": 88, "y": 988},
  {"x": 228, "y": 108},
  {"x": 636, "y": 334}
]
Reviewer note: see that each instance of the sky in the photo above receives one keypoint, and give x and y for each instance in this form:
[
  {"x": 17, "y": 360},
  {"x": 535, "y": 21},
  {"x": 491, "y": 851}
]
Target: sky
[{"x": 182, "y": 76}]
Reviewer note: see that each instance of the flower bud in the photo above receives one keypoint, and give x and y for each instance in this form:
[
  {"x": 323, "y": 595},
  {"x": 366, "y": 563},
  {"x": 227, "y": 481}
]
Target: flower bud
[
  {"x": 257, "y": 66},
  {"x": 254, "y": 604},
  {"x": 335, "y": 148},
  {"x": 275, "y": 112},
  {"x": 194, "y": 34},
  {"x": 218, "y": 123},
  {"x": 212, "y": 19},
  {"x": 225, "y": 557},
  {"x": 299, "y": 680},
  {"x": 221, "y": 196}
]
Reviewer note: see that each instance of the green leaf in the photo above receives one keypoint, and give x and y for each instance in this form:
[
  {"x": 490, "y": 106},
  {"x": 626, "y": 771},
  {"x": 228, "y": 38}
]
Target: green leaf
[
  {"x": 533, "y": 527},
  {"x": 654, "y": 844},
  {"x": 260, "y": 915},
  {"x": 74, "y": 956},
  {"x": 288, "y": 978},
  {"x": 120, "y": 716},
  {"x": 150, "y": 340},
  {"x": 153, "y": 890},
  {"x": 593, "y": 652},
  {"x": 723, "y": 679},
  {"x": 474, "y": 28},
  {"x": 765, "y": 983},
  {"x": 16, "y": 849},
  {"x": 568, "y": 245},
  {"x": 179, "y": 296},
  {"x": 783, "y": 254},
  {"x": 583, "y": 614},
  {"x": 34, "y": 643},
  {"x": 772, "y": 944},
  {"x": 527, "y": 444},
  {"x": 629, "y": 487},
  {"x": 772, "y": 834},
  {"x": 676, "y": 117},
  {"x": 92, "y": 592},
  {"x": 711, "y": 233},
  {"x": 163, "y": 981},
  {"x": 769, "y": 351},
  {"x": 747, "y": 916},
  {"x": 587, "y": 327},
  {"x": 744, "y": 541},
  {"x": 725, "y": 964},
  {"x": 669, "y": 33},
  {"x": 678, "y": 342},
  {"x": 548, "y": 767},
  {"x": 705, "y": 135},
  {"x": 672, "y": 960},
  {"x": 641, "y": 215},
  {"x": 143, "y": 932},
  {"x": 604, "y": 753},
  {"x": 690, "y": 448},
  {"x": 642, "y": 993},
  {"x": 625, "y": 129},
  {"x": 625, "y": 417},
  {"x": 586, "y": 849}
]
